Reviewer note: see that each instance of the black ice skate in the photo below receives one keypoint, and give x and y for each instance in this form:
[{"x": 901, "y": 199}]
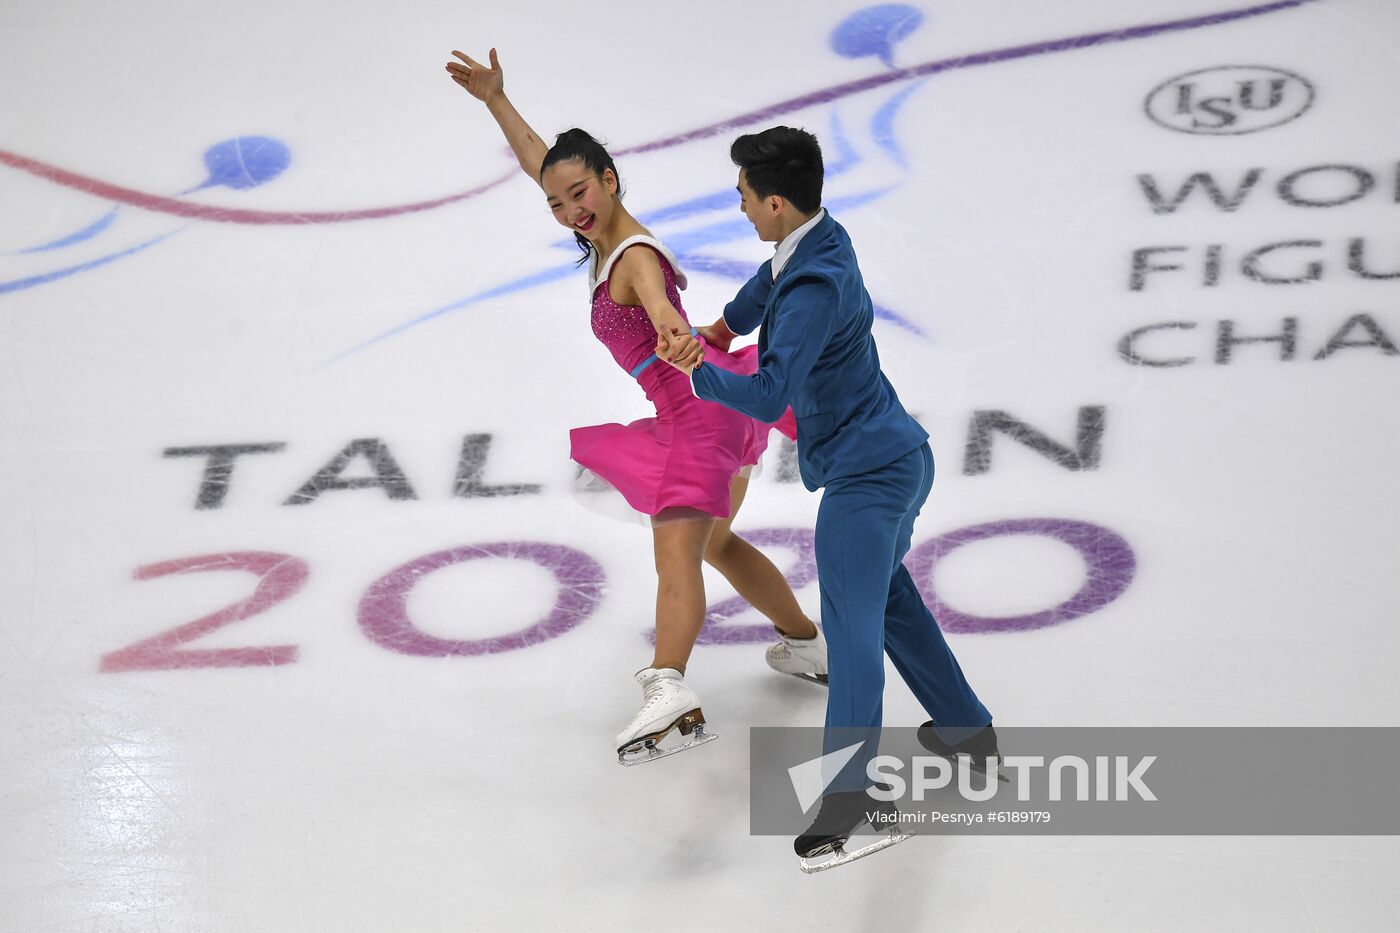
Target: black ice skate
[
  {"x": 980, "y": 748},
  {"x": 840, "y": 816}
]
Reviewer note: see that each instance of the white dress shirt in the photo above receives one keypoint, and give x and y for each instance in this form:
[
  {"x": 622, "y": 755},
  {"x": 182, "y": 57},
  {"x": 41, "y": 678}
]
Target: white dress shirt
[{"x": 788, "y": 246}]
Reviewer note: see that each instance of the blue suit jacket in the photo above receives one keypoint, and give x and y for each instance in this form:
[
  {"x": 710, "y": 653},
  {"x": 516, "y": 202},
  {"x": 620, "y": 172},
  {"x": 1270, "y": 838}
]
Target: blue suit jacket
[{"x": 816, "y": 354}]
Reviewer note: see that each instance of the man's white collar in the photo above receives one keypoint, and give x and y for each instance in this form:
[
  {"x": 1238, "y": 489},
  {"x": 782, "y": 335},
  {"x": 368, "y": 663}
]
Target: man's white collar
[{"x": 789, "y": 244}]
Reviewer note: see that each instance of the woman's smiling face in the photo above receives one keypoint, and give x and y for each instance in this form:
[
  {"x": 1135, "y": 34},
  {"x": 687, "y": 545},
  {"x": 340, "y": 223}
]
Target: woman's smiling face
[{"x": 580, "y": 199}]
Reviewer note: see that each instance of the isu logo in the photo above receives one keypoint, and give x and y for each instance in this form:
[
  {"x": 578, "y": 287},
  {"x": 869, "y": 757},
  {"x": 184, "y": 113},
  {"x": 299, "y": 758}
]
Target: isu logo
[{"x": 1229, "y": 100}]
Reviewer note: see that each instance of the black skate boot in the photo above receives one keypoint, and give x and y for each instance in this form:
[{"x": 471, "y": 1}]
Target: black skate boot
[
  {"x": 980, "y": 748},
  {"x": 839, "y": 817}
]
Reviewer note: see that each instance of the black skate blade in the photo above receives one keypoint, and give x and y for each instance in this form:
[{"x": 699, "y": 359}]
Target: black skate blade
[
  {"x": 840, "y": 856},
  {"x": 812, "y": 678}
]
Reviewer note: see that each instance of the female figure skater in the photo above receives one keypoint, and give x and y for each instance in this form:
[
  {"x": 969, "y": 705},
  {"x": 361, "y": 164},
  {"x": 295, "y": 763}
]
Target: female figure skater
[{"x": 686, "y": 468}]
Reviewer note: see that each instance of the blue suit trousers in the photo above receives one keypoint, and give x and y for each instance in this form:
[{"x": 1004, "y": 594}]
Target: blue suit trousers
[{"x": 871, "y": 607}]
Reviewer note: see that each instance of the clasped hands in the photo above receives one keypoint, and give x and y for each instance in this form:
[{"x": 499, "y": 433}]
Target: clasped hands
[{"x": 680, "y": 349}]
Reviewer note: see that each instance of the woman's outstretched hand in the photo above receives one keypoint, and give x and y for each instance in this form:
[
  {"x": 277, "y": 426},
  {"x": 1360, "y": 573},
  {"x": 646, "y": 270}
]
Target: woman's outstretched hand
[{"x": 481, "y": 82}]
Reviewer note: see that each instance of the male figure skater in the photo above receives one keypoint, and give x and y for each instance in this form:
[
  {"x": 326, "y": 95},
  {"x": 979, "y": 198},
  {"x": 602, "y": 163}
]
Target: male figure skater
[{"x": 855, "y": 439}]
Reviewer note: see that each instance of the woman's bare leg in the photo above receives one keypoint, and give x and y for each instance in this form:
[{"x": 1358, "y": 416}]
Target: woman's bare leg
[
  {"x": 680, "y": 589},
  {"x": 753, "y": 575}
]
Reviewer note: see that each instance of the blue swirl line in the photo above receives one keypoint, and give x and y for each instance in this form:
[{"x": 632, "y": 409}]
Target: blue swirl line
[
  {"x": 529, "y": 281},
  {"x": 882, "y": 124},
  {"x": 22, "y": 284},
  {"x": 846, "y": 156},
  {"x": 86, "y": 233},
  {"x": 708, "y": 202}
]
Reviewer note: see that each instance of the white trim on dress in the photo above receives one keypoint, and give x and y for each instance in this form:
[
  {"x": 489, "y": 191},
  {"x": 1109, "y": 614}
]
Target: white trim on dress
[{"x": 595, "y": 279}]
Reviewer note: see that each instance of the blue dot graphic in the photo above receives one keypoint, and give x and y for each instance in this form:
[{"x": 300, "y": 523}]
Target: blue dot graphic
[
  {"x": 245, "y": 162},
  {"x": 875, "y": 30}
]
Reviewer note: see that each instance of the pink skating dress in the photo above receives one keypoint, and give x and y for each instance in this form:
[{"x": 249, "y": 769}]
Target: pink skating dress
[{"x": 680, "y": 463}]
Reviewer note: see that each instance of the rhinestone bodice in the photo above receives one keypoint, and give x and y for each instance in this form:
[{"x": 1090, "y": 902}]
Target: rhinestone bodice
[{"x": 626, "y": 330}]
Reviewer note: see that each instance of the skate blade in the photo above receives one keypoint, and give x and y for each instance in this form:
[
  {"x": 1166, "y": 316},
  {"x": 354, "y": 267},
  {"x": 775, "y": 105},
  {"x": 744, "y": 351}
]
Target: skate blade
[
  {"x": 648, "y": 748},
  {"x": 839, "y": 855},
  {"x": 812, "y": 678}
]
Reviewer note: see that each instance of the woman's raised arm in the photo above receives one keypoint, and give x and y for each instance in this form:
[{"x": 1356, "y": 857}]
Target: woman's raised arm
[{"x": 488, "y": 86}]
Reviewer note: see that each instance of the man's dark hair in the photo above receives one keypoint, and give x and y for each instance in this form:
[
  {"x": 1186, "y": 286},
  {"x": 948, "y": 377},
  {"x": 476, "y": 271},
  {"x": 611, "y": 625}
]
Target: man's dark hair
[{"x": 784, "y": 161}]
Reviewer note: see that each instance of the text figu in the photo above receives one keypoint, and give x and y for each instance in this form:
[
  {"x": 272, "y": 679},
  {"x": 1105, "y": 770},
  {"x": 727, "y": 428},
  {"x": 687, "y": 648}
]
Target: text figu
[{"x": 1285, "y": 262}]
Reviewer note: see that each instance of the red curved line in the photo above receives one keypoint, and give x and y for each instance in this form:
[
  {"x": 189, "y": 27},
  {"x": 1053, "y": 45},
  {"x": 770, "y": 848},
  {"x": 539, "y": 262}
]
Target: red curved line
[
  {"x": 233, "y": 215},
  {"x": 152, "y": 202}
]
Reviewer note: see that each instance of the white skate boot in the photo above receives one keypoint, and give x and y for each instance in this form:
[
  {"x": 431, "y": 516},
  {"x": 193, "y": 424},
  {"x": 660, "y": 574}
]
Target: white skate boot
[
  {"x": 805, "y": 658},
  {"x": 667, "y": 703}
]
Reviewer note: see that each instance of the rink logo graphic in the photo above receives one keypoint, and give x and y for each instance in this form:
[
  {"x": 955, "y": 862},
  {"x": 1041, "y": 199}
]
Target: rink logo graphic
[
  {"x": 811, "y": 778},
  {"x": 1115, "y": 778},
  {"x": 1173, "y": 264},
  {"x": 1229, "y": 100}
]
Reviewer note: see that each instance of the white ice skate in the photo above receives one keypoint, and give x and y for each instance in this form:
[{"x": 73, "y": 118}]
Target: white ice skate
[
  {"x": 667, "y": 703},
  {"x": 805, "y": 658}
]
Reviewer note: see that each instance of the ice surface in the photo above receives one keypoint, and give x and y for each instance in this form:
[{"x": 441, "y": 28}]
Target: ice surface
[{"x": 252, "y": 253}]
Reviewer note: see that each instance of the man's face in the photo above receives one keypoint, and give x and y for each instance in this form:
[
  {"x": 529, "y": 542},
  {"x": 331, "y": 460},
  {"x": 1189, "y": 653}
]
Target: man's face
[{"x": 763, "y": 213}]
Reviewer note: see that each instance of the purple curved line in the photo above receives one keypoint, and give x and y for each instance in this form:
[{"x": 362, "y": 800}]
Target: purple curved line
[
  {"x": 962, "y": 61},
  {"x": 232, "y": 215}
]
